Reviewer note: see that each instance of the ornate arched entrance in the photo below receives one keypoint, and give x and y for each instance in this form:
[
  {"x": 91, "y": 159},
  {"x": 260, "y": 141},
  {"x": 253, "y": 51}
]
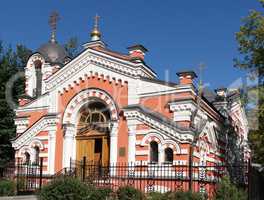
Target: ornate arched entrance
[
  {"x": 93, "y": 129},
  {"x": 90, "y": 124}
]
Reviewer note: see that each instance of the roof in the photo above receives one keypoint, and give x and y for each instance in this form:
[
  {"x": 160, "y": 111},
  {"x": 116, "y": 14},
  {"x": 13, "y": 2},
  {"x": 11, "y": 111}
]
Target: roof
[
  {"x": 157, "y": 116},
  {"x": 53, "y": 52}
]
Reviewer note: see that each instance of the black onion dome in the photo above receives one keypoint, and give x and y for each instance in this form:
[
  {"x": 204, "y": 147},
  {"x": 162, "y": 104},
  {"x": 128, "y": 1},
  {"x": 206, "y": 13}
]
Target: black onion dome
[{"x": 53, "y": 52}]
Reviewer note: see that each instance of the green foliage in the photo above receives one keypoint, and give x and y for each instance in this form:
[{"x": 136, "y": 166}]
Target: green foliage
[
  {"x": 250, "y": 40},
  {"x": 7, "y": 188},
  {"x": 156, "y": 196},
  {"x": 72, "y": 47},
  {"x": 179, "y": 195},
  {"x": 11, "y": 62},
  {"x": 100, "y": 194},
  {"x": 64, "y": 188},
  {"x": 129, "y": 193},
  {"x": 72, "y": 188},
  {"x": 228, "y": 191},
  {"x": 251, "y": 48}
]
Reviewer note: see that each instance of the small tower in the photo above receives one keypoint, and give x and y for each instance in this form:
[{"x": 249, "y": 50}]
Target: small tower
[{"x": 95, "y": 34}]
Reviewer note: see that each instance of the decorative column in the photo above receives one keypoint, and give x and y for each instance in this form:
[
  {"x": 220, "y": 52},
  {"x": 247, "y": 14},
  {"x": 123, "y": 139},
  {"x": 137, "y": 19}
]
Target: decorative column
[
  {"x": 51, "y": 149},
  {"x": 132, "y": 125},
  {"x": 68, "y": 144},
  {"x": 113, "y": 147},
  {"x": 113, "y": 143}
]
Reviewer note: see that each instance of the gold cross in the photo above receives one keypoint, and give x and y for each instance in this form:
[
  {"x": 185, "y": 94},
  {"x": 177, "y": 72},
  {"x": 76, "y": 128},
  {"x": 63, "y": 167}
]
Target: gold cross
[
  {"x": 96, "y": 20},
  {"x": 54, "y": 17}
]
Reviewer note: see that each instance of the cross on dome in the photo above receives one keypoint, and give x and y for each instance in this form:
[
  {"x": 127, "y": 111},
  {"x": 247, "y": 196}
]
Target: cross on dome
[
  {"x": 96, "y": 34},
  {"x": 53, "y": 20}
]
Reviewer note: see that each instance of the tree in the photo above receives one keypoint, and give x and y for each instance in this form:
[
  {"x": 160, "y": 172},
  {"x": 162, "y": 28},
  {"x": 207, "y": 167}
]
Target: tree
[
  {"x": 250, "y": 40},
  {"x": 226, "y": 190},
  {"x": 11, "y": 62},
  {"x": 72, "y": 47}
]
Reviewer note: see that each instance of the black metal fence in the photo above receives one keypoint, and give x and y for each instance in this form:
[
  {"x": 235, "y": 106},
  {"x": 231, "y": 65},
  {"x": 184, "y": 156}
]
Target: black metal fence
[
  {"x": 150, "y": 177},
  {"x": 28, "y": 176},
  {"x": 147, "y": 177}
]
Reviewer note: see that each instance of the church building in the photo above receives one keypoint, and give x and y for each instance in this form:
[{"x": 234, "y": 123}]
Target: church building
[{"x": 111, "y": 107}]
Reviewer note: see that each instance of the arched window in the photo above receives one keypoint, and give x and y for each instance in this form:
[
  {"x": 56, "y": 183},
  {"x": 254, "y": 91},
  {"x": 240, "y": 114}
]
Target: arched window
[
  {"x": 36, "y": 159},
  {"x": 38, "y": 65},
  {"x": 27, "y": 158},
  {"x": 154, "y": 152},
  {"x": 168, "y": 155}
]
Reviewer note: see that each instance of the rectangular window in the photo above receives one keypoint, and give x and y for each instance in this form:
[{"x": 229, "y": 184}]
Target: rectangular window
[{"x": 98, "y": 145}]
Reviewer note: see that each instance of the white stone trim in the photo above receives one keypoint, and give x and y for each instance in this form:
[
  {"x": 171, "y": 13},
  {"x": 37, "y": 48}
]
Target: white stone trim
[
  {"x": 142, "y": 152},
  {"x": 170, "y": 90},
  {"x": 21, "y": 124},
  {"x": 40, "y": 125},
  {"x": 162, "y": 141},
  {"x": 109, "y": 63},
  {"x": 80, "y": 99},
  {"x": 35, "y": 142},
  {"x": 132, "y": 126},
  {"x": 164, "y": 128},
  {"x": 52, "y": 149}
]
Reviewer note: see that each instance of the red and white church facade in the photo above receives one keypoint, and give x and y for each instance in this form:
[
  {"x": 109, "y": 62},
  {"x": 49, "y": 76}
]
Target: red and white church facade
[{"x": 111, "y": 107}]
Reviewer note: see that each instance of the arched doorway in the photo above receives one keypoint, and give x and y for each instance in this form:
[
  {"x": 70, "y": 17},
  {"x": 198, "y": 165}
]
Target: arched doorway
[{"x": 92, "y": 138}]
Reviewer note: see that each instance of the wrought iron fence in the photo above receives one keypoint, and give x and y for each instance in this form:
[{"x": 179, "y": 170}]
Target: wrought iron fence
[
  {"x": 28, "y": 176},
  {"x": 147, "y": 177},
  {"x": 150, "y": 177}
]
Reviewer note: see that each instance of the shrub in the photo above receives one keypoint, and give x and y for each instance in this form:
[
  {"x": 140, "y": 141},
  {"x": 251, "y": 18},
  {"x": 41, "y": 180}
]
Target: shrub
[
  {"x": 100, "y": 194},
  {"x": 156, "y": 196},
  {"x": 66, "y": 188},
  {"x": 129, "y": 193},
  {"x": 7, "y": 188},
  {"x": 181, "y": 195},
  {"x": 228, "y": 191}
]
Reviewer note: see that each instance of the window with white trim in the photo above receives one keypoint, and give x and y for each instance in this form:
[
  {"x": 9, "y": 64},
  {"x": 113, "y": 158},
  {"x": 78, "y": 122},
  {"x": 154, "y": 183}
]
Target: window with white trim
[
  {"x": 168, "y": 155},
  {"x": 154, "y": 152}
]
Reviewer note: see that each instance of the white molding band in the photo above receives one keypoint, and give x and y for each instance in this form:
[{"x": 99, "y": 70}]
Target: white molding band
[
  {"x": 40, "y": 125},
  {"x": 167, "y": 129},
  {"x": 82, "y": 98}
]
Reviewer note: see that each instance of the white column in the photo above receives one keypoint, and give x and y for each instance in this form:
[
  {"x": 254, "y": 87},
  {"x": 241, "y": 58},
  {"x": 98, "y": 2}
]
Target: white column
[
  {"x": 68, "y": 144},
  {"x": 161, "y": 154},
  {"x": 51, "y": 151},
  {"x": 113, "y": 143},
  {"x": 113, "y": 147},
  {"x": 131, "y": 143},
  {"x": 132, "y": 125}
]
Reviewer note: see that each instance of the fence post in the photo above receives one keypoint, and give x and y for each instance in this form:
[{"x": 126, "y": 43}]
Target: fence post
[
  {"x": 17, "y": 174},
  {"x": 40, "y": 172},
  {"x": 140, "y": 176},
  {"x": 249, "y": 176},
  {"x": 84, "y": 168}
]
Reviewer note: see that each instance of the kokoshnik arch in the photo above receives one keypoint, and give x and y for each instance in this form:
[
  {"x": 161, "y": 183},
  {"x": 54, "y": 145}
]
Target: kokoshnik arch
[{"x": 111, "y": 107}]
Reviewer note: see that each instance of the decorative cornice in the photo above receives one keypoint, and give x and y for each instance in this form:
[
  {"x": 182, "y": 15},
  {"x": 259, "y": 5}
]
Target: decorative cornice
[
  {"x": 40, "y": 125},
  {"x": 82, "y": 97},
  {"x": 21, "y": 121},
  {"x": 92, "y": 57},
  {"x": 162, "y": 125},
  {"x": 182, "y": 106}
]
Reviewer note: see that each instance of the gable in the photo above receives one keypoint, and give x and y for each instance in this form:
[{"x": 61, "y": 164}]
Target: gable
[{"x": 91, "y": 62}]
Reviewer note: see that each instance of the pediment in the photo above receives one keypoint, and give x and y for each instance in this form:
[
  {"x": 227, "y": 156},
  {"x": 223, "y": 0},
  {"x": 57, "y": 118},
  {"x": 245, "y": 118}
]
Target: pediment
[{"x": 92, "y": 62}]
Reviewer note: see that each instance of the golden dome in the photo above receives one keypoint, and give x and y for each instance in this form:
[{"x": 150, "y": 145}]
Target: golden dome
[{"x": 95, "y": 32}]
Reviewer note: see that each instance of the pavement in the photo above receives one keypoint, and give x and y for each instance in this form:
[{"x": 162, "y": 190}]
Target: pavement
[{"x": 22, "y": 197}]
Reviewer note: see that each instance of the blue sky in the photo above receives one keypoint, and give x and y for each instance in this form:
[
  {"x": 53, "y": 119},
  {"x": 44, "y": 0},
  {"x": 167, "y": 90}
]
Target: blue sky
[{"x": 179, "y": 34}]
